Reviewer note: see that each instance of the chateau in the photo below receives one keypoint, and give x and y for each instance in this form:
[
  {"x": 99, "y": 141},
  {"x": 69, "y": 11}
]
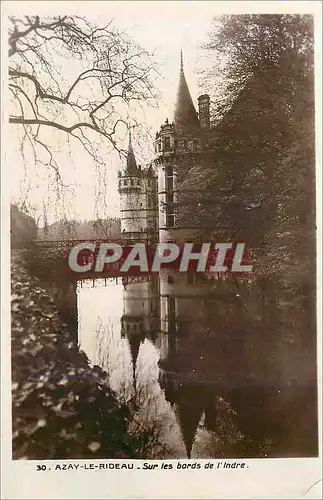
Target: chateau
[
  {"x": 164, "y": 308},
  {"x": 150, "y": 198}
]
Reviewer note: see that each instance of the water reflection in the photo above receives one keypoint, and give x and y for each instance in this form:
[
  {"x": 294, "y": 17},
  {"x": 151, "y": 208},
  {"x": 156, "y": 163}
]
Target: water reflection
[{"x": 210, "y": 367}]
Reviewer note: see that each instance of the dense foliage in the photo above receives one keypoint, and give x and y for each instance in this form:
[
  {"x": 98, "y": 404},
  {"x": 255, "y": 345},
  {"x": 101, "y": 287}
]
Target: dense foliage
[
  {"x": 259, "y": 186},
  {"x": 61, "y": 406}
]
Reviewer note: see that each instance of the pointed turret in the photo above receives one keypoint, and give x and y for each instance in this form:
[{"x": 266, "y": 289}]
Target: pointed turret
[
  {"x": 185, "y": 114},
  {"x": 131, "y": 168}
]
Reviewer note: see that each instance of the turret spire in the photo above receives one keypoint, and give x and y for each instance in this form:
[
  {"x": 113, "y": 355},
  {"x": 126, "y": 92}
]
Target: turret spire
[
  {"x": 185, "y": 113},
  {"x": 131, "y": 167}
]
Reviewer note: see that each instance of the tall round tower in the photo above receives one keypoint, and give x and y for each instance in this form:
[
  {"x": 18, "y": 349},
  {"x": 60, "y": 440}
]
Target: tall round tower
[{"x": 137, "y": 190}]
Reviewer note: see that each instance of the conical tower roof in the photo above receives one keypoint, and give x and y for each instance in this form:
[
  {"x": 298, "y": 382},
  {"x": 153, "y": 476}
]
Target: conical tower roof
[
  {"x": 131, "y": 167},
  {"x": 185, "y": 117}
]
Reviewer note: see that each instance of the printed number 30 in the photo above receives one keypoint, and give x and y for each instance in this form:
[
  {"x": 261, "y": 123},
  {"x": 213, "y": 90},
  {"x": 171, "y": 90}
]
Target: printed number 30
[{"x": 41, "y": 467}]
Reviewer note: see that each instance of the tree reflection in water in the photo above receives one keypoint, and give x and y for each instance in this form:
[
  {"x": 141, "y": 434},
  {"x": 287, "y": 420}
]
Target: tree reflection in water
[{"x": 209, "y": 368}]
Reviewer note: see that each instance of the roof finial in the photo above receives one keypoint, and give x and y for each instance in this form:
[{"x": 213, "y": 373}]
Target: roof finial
[{"x": 182, "y": 64}]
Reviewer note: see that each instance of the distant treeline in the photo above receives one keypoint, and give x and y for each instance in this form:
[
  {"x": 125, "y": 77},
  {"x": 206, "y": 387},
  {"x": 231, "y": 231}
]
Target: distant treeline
[
  {"x": 72, "y": 229},
  {"x": 23, "y": 228},
  {"x": 24, "y": 231}
]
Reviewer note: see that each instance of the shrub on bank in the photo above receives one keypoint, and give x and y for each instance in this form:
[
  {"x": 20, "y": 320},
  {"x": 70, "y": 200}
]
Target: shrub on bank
[{"x": 62, "y": 408}]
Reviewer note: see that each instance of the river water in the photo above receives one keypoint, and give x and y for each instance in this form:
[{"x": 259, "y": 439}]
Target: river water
[{"x": 211, "y": 368}]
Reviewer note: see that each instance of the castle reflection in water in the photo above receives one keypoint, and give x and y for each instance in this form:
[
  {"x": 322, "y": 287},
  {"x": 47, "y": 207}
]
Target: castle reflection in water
[{"x": 221, "y": 369}]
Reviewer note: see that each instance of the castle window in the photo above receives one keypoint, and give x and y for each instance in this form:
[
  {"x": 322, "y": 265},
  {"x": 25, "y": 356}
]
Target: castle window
[
  {"x": 167, "y": 143},
  {"x": 169, "y": 183},
  {"x": 170, "y": 280},
  {"x": 169, "y": 170},
  {"x": 170, "y": 220}
]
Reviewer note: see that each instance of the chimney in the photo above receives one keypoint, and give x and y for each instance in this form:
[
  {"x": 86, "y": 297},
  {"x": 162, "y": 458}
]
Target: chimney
[{"x": 204, "y": 110}]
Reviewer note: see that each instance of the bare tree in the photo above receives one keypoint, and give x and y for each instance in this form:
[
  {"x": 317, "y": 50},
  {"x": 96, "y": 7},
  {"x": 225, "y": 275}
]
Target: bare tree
[{"x": 68, "y": 76}]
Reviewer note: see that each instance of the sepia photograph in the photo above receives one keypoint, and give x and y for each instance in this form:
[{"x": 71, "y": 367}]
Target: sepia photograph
[{"x": 131, "y": 135}]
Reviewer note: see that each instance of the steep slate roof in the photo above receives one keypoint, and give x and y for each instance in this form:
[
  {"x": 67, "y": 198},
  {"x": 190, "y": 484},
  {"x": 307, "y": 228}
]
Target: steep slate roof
[
  {"x": 185, "y": 114},
  {"x": 131, "y": 167}
]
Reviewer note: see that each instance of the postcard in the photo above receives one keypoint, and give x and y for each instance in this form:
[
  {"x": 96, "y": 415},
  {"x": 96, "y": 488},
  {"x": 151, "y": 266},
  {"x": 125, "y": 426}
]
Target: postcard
[{"x": 161, "y": 255}]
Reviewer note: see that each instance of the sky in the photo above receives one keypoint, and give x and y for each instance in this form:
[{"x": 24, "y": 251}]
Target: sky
[{"x": 164, "y": 35}]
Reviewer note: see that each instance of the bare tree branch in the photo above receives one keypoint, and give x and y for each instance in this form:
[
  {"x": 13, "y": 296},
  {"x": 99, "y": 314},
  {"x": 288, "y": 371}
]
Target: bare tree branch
[{"x": 77, "y": 78}]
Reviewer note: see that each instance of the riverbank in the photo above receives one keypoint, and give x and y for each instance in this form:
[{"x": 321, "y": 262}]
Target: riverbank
[{"x": 62, "y": 408}]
